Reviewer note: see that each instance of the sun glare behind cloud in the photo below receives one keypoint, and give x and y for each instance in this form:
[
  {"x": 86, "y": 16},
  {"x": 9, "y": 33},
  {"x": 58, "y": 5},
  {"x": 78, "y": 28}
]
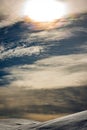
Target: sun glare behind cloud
[{"x": 44, "y": 10}]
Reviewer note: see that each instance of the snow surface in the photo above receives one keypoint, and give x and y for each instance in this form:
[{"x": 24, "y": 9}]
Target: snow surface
[
  {"x": 17, "y": 124},
  {"x": 76, "y": 121}
]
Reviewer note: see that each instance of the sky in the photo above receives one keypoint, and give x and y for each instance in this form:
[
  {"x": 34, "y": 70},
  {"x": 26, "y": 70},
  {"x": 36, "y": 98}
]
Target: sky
[
  {"x": 10, "y": 10},
  {"x": 63, "y": 62},
  {"x": 64, "y": 70},
  {"x": 42, "y": 60}
]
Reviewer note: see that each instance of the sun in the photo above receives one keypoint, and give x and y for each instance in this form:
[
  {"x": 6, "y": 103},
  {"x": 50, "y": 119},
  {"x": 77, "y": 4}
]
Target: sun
[{"x": 44, "y": 10}]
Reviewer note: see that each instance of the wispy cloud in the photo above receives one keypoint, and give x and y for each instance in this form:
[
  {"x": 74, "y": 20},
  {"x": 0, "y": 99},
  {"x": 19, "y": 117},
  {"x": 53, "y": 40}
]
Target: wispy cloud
[
  {"x": 47, "y": 59},
  {"x": 54, "y": 72}
]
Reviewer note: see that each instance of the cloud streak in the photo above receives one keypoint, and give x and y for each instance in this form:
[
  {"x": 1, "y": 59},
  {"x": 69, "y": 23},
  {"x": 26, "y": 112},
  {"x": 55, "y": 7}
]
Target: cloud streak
[{"x": 54, "y": 72}]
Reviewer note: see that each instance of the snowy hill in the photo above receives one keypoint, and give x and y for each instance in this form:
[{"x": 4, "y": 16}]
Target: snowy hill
[
  {"x": 17, "y": 124},
  {"x": 76, "y": 121}
]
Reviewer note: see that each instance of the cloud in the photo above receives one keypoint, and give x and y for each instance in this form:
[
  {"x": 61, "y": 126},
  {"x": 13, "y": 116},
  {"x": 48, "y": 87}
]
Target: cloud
[
  {"x": 10, "y": 10},
  {"x": 47, "y": 59},
  {"x": 53, "y": 72},
  {"x": 77, "y": 6},
  {"x": 20, "y": 51}
]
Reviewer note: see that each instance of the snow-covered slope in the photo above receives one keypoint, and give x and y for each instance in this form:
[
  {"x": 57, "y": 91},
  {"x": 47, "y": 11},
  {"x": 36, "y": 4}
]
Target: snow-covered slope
[
  {"x": 17, "y": 124},
  {"x": 76, "y": 121}
]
